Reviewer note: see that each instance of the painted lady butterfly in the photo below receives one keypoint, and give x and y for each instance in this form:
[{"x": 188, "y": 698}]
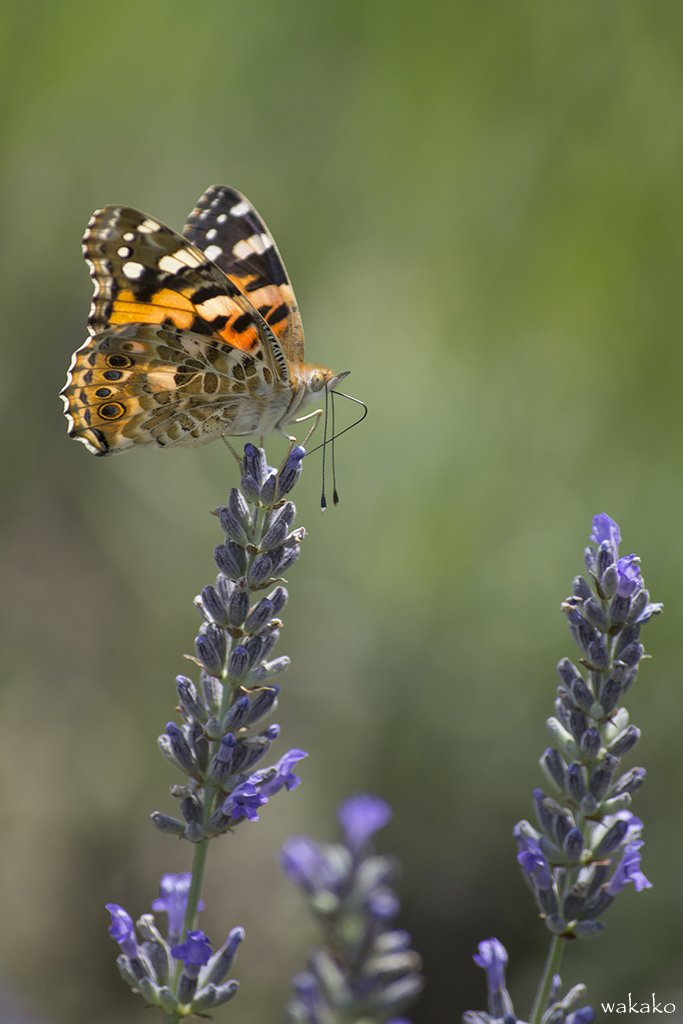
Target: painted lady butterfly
[{"x": 191, "y": 337}]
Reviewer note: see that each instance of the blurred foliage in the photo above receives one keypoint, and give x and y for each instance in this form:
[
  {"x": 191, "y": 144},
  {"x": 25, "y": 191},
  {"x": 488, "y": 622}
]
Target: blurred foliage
[{"x": 480, "y": 207}]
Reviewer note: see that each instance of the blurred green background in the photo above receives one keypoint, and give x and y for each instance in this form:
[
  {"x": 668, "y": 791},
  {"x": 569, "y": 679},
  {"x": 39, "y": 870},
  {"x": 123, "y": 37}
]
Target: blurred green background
[{"x": 480, "y": 205}]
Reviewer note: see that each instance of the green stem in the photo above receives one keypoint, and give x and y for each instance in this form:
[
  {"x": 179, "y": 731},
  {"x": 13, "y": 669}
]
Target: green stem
[
  {"x": 551, "y": 968},
  {"x": 201, "y": 851}
]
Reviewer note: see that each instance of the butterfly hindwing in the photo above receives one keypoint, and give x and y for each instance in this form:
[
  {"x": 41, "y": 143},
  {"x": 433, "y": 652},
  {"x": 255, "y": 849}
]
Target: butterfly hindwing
[
  {"x": 226, "y": 227},
  {"x": 147, "y": 383}
]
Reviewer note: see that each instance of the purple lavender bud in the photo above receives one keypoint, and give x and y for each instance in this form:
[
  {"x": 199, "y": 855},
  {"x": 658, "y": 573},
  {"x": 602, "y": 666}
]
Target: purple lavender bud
[
  {"x": 244, "y": 802},
  {"x": 545, "y": 809},
  {"x": 638, "y": 604},
  {"x": 212, "y": 996},
  {"x": 589, "y": 559},
  {"x": 285, "y": 514},
  {"x": 581, "y": 589},
  {"x": 191, "y": 808},
  {"x": 278, "y": 599},
  {"x": 576, "y": 781},
  {"x": 168, "y": 824},
  {"x": 291, "y": 471},
  {"x": 360, "y": 817},
  {"x": 275, "y": 536},
  {"x": 213, "y": 729},
  {"x": 259, "y": 616},
  {"x": 267, "y": 495},
  {"x": 288, "y": 558},
  {"x": 493, "y": 958},
  {"x": 284, "y": 776},
  {"x": 257, "y": 676},
  {"x": 122, "y": 930},
  {"x": 582, "y": 696},
  {"x": 573, "y": 904},
  {"x": 263, "y": 703},
  {"x": 628, "y": 870},
  {"x": 629, "y": 579},
  {"x": 651, "y": 609},
  {"x": 231, "y": 559},
  {"x": 174, "y": 891},
  {"x": 583, "y": 1016},
  {"x": 601, "y": 777},
  {"x": 610, "y": 692},
  {"x": 589, "y": 806},
  {"x": 213, "y": 605},
  {"x": 232, "y": 527},
  {"x": 598, "y": 655},
  {"x": 632, "y": 654},
  {"x": 591, "y": 741},
  {"x": 568, "y": 672},
  {"x": 212, "y": 691},
  {"x": 221, "y": 763},
  {"x": 595, "y": 615},
  {"x": 189, "y": 699},
  {"x": 238, "y": 606},
  {"x": 563, "y": 825},
  {"x": 554, "y": 767},
  {"x": 211, "y": 647},
  {"x": 270, "y": 638},
  {"x": 573, "y": 845},
  {"x": 239, "y": 508},
  {"x": 597, "y": 905},
  {"x": 198, "y": 743},
  {"x": 261, "y": 570},
  {"x": 547, "y": 901},
  {"x": 237, "y": 714},
  {"x": 618, "y": 611},
  {"x": 611, "y": 841},
  {"x": 181, "y": 749},
  {"x": 604, "y": 558},
  {"x": 224, "y": 958},
  {"x": 238, "y": 663},
  {"x": 254, "y": 463},
  {"x": 249, "y": 752},
  {"x": 253, "y": 646},
  {"x": 625, "y": 741},
  {"x": 531, "y": 858},
  {"x": 607, "y": 587},
  {"x": 578, "y": 723},
  {"x": 630, "y": 782},
  {"x": 194, "y": 832},
  {"x": 629, "y": 635},
  {"x": 605, "y": 529},
  {"x": 194, "y": 953}
]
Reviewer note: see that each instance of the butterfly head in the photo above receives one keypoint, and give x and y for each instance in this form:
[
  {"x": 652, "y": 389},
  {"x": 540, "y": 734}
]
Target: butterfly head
[{"x": 314, "y": 381}]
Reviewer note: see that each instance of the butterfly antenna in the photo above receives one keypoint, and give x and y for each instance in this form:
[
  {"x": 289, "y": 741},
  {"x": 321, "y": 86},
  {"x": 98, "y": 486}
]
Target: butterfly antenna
[
  {"x": 335, "y": 496},
  {"x": 323, "y": 499},
  {"x": 354, "y": 424}
]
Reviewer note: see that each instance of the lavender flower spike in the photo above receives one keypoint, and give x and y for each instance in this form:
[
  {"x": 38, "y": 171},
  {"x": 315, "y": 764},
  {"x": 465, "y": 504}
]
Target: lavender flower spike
[{"x": 365, "y": 970}]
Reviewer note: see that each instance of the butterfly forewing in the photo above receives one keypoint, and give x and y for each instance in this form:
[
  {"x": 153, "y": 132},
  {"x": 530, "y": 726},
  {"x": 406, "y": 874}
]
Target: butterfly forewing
[{"x": 226, "y": 227}]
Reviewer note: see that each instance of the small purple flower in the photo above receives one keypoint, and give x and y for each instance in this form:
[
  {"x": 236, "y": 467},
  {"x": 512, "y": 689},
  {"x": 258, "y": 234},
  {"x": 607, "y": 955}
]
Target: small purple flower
[
  {"x": 174, "y": 891},
  {"x": 122, "y": 930},
  {"x": 244, "y": 801},
  {"x": 194, "y": 952},
  {"x": 284, "y": 777},
  {"x": 532, "y": 859},
  {"x": 360, "y": 817},
  {"x": 493, "y": 958},
  {"x": 583, "y": 1016},
  {"x": 605, "y": 528},
  {"x": 628, "y": 576},
  {"x": 628, "y": 870}
]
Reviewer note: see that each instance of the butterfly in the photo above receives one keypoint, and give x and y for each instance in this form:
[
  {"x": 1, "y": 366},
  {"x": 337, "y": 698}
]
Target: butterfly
[{"x": 192, "y": 336}]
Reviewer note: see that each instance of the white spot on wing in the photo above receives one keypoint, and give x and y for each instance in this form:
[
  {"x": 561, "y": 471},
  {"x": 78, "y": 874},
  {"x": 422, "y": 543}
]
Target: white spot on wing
[
  {"x": 219, "y": 305},
  {"x": 221, "y": 218},
  {"x": 123, "y": 252},
  {"x": 240, "y": 209},
  {"x": 149, "y": 226},
  {"x": 248, "y": 246},
  {"x": 128, "y": 236},
  {"x": 211, "y": 234},
  {"x": 171, "y": 264},
  {"x": 133, "y": 270},
  {"x": 213, "y": 251}
]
